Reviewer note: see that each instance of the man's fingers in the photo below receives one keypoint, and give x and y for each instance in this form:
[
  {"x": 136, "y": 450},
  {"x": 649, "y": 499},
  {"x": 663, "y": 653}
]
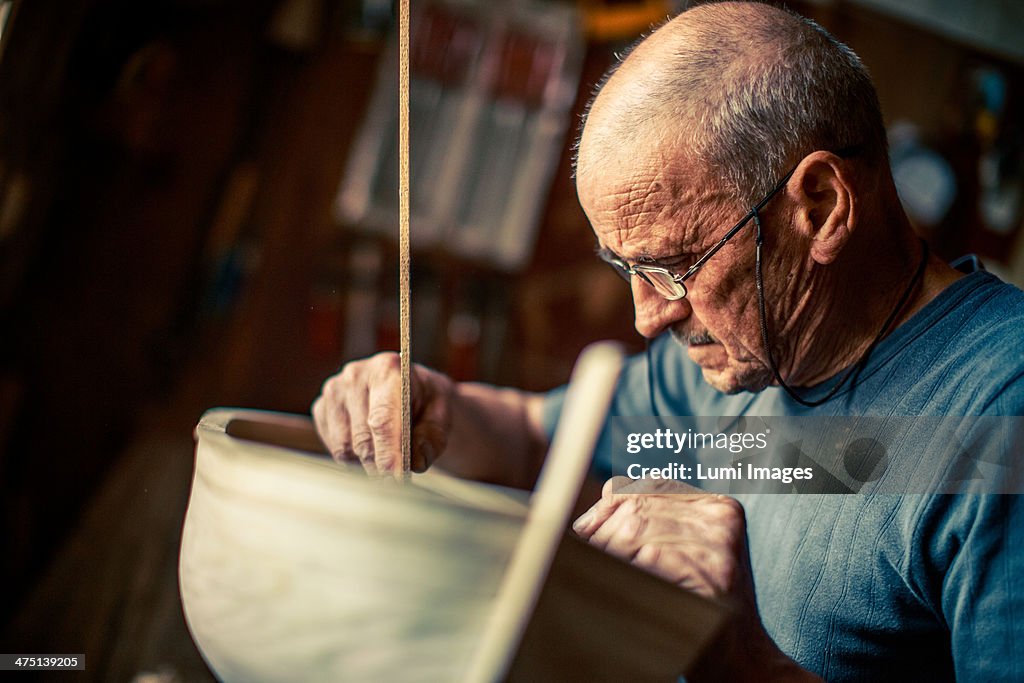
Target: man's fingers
[
  {"x": 616, "y": 491},
  {"x": 432, "y": 420},
  {"x": 332, "y": 426},
  {"x": 319, "y": 413},
  {"x": 359, "y": 414},
  {"x": 591, "y": 520},
  {"x": 636, "y": 522},
  {"x": 697, "y": 540},
  {"x": 428, "y": 442},
  {"x": 384, "y": 421},
  {"x": 360, "y": 434},
  {"x": 334, "y": 429},
  {"x": 622, "y": 531}
]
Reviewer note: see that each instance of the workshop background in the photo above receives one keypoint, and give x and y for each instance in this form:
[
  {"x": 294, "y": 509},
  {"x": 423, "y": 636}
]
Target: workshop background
[{"x": 198, "y": 208}]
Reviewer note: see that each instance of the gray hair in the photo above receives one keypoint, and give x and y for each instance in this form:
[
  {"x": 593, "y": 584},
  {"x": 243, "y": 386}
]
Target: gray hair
[{"x": 758, "y": 91}]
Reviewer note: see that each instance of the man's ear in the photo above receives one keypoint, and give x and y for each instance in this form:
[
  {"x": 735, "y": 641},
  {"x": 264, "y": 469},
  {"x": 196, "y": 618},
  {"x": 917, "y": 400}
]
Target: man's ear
[{"x": 822, "y": 190}]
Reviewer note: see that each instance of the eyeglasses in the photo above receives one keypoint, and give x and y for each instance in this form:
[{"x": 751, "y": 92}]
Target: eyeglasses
[{"x": 670, "y": 284}]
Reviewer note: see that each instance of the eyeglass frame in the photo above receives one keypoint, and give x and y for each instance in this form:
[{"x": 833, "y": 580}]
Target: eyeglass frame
[
  {"x": 625, "y": 268},
  {"x": 679, "y": 279}
]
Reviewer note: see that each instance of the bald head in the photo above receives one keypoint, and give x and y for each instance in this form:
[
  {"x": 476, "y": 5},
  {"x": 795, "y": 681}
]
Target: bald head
[{"x": 743, "y": 90}]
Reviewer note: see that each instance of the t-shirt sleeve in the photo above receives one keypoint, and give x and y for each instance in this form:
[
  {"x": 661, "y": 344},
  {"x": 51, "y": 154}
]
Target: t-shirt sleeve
[
  {"x": 553, "y": 401},
  {"x": 631, "y": 384},
  {"x": 977, "y": 561},
  {"x": 975, "y": 548},
  {"x": 661, "y": 390}
]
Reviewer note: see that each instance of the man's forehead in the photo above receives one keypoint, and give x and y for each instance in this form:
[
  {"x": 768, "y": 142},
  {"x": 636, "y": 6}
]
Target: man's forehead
[
  {"x": 655, "y": 245},
  {"x": 647, "y": 211}
]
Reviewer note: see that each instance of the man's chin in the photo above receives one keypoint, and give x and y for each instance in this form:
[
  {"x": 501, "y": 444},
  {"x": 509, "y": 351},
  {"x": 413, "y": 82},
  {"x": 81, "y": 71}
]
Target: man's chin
[
  {"x": 731, "y": 380},
  {"x": 723, "y": 371}
]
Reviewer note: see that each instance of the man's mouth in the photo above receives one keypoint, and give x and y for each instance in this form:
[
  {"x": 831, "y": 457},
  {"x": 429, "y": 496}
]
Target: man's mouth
[{"x": 693, "y": 338}]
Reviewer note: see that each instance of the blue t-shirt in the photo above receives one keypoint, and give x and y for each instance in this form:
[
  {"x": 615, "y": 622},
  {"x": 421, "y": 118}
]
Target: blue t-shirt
[{"x": 882, "y": 587}]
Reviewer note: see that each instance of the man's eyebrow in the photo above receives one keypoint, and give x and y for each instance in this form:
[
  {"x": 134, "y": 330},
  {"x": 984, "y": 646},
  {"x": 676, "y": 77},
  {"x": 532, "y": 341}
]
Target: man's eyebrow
[{"x": 606, "y": 254}]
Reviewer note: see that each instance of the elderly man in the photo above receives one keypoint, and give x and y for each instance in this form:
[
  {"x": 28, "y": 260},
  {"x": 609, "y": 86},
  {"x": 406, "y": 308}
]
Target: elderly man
[{"x": 734, "y": 169}]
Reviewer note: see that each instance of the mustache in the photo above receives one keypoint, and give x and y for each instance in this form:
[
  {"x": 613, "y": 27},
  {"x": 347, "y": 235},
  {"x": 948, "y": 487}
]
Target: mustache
[{"x": 690, "y": 338}]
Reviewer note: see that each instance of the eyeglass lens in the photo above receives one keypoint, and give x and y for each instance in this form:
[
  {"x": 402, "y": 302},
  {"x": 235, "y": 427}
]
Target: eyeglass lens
[{"x": 663, "y": 282}]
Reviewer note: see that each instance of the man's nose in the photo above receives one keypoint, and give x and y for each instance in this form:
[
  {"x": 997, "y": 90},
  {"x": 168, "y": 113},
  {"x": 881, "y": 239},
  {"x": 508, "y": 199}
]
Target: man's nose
[{"x": 653, "y": 312}]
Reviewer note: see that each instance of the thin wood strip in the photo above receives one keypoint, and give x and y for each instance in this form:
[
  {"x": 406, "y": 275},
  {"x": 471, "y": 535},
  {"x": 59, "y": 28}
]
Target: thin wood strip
[
  {"x": 579, "y": 425},
  {"x": 403, "y": 242}
]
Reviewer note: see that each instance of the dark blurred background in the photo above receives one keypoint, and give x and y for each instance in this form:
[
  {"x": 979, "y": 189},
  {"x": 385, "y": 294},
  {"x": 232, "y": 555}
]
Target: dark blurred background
[{"x": 198, "y": 208}]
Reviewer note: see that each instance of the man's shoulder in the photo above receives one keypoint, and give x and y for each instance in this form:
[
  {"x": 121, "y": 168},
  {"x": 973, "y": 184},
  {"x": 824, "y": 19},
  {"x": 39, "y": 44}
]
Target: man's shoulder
[
  {"x": 972, "y": 349},
  {"x": 987, "y": 318}
]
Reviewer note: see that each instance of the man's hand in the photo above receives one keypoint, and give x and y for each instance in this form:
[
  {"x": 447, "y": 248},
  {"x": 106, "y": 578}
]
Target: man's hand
[
  {"x": 698, "y": 541},
  {"x": 693, "y": 539},
  {"x": 359, "y": 414}
]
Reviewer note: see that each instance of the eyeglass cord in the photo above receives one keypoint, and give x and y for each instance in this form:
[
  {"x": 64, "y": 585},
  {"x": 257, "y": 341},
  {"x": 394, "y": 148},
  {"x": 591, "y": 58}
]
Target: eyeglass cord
[
  {"x": 759, "y": 283},
  {"x": 856, "y": 367}
]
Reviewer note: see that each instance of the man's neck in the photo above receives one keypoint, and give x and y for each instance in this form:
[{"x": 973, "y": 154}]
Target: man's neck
[{"x": 853, "y": 302}]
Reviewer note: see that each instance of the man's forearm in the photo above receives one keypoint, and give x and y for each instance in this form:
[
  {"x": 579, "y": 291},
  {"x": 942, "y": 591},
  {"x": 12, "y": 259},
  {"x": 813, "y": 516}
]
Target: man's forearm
[{"x": 496, "y": 435}]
